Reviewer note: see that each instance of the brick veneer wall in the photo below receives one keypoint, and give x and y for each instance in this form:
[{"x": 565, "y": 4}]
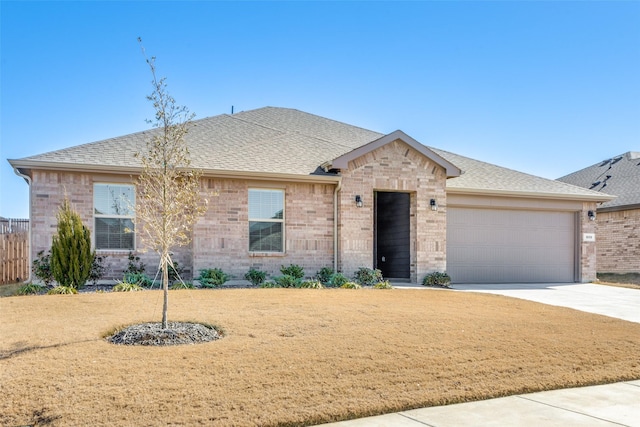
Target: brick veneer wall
[
  {"x": 48, "y": 189},
  {"x": 221, "y": 238},
  {"x": 618, "y": 241},
  {"x": 393, "y": 167},
  {"x": 588, "y": 250}
]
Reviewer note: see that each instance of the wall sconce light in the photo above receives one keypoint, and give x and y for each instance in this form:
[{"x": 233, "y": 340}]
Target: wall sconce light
[
  {"x": 359, "y": 201},
  {"x": 433, "y": 204},
  {"x": 591, "y": 215}
]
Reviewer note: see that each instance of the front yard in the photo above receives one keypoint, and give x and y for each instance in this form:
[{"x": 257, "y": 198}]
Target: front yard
[{"x": 294, "y": 357}]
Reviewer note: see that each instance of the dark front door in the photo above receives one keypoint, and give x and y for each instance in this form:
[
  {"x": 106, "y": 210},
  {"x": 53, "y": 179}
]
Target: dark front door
[{"x": 392, "y": 238}]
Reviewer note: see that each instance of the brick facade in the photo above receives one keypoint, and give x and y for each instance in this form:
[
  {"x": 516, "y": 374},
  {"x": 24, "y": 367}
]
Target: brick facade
[
  {"x": 393, "y": 167},
  {"x": 588, "y": 250},
  {"x": 48, "y": 189},
  {"x": 618, "y": 241},
  {"x": 222, "y": 236}
]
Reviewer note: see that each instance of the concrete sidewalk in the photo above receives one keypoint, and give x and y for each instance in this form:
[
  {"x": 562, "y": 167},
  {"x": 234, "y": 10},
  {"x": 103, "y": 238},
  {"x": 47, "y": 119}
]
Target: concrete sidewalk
[
  {"x": 604, "y": 405},
  {"x": 597, "y": 406}
]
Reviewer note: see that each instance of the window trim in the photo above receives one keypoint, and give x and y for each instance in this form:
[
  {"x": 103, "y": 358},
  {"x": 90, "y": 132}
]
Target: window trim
[
  {"x": 274, "y": 220},
  {"x": 130, "y": 217}
]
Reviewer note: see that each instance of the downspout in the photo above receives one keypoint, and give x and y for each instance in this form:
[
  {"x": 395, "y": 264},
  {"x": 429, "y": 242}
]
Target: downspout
[
  {"x": 28, "y": 179},
  {"x": 335, "y": 225}
]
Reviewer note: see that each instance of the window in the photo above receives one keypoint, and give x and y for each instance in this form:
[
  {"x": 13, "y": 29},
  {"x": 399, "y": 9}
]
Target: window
[
  {"x": 266, "y": 220},
  {"x": 113, "y": 210}
]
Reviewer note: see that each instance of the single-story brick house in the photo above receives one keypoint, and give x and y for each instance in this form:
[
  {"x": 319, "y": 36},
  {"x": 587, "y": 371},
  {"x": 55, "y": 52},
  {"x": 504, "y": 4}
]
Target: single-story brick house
[
  {"x": 618, "y": 220},
  {"x": 288, "y": 187}
]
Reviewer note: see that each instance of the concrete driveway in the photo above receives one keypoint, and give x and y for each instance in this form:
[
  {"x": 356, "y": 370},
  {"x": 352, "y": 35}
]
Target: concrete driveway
[{"x": 621, "y": 303}]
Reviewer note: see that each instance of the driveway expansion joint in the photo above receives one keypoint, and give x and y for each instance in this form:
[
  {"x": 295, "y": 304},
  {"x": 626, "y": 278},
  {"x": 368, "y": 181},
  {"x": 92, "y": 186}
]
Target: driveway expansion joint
[
  {"x": 415, "y": 420},
  {"x": 570, "y": 410}
]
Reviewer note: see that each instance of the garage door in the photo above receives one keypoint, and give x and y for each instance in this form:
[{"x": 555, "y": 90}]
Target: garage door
[{"x": 518, "y": 246}]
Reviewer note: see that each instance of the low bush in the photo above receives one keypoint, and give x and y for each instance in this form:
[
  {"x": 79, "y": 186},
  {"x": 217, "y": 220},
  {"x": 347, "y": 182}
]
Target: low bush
[
  {"x": 140, "y": 279},
  {"x": 287, "y": 281},
  {"x": 63, "y": 290},
  {"x": 269, "y": 284},
  {"x": 31, "y": 289},
  {"x": 97, "y": 269},
  {"x": 181, "y": 285},
  {"x": 351, "y": 285},
  {"x": 337, "y": 280},
  {"x": 135, "y": 265},
  {"x": 367, "y": 276},
  {"x": 311, "y": 284},
  {"x": 127, "y": 287},
  {"x": 437, "y": 279},
  {"x": 212, "y": 277},
  {"x": 175, "y": 272},
  {"x": 256, "y": 277},
  {"x": 293, "y": 270},
  {"x": 42, "y": 268},
  {"x": 324, "y": 275},
  {"x": 383, "y": 285}
]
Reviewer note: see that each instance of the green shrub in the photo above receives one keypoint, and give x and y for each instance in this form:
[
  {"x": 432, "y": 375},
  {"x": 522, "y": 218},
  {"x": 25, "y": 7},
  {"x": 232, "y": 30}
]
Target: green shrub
[
  {"x": 212, "y": 277},
  {"x": 71, "y": 254},
  {"x": 293, "y": 270},
  {"x": 383, "y": 285},
  {"x": 256, "y": 277},
  {"x": 31, "y": 289},
  {"x": 181, "y": 285},
  {"x": 310, "y": 284},
  {"x": 63, "y": 290},
  {"x": 337, "y": 280},
  {"x": 127, "y": 287},
  {"x": 42, "y": 268},
  {"x": 287, "y": 281},
  {"x": 437, "y": 279},
  {"x": 367, "y": 277},
  {"x": 324, "y": 275},
  {"x": 134, "y": 265},
  {"x": 269, "y": 284},
  {"x": 351, "y": 285},
  {"x": 97, "y": 269},
  {"x": 140, "y": 279},
  {"x": 174, "y": 272}
]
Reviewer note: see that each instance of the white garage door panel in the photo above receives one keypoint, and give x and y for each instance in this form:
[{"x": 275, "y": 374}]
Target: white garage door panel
[{"x": 498, "y": 246}]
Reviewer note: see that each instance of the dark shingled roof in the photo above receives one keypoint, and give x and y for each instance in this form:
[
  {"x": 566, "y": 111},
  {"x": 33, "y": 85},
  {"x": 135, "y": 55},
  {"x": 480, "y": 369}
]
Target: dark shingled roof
[
  {"x": 618, "y": 176},
  {"x": 280, "y": 142}
]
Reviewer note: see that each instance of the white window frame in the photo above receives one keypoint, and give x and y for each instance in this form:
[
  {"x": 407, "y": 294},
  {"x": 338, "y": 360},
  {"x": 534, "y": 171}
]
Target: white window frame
[
  {"x": 273, "y": 220},
  {"x": 130, "y": 206}
]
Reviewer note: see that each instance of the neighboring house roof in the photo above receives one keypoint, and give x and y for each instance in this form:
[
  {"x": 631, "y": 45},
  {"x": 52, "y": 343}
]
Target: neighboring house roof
[
  {"x": 286, "y": 143},
  {"x": 618, "y": 176}
]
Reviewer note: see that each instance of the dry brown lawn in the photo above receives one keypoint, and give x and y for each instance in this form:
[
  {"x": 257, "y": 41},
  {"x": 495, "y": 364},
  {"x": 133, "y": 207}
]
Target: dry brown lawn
[{"x": 294, "y": 357}]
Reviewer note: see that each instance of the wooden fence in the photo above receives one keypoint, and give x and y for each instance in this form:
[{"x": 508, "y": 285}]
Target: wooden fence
[{"x": 14, "y": 250}]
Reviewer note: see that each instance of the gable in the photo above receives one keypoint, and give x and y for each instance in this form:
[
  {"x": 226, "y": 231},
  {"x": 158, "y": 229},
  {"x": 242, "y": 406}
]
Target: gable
[{"x": 342, "y": 162}]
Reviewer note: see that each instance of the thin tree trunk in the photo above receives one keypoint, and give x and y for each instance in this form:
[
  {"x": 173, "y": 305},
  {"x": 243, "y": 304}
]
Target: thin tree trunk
[{"x": 165, "y": 287}]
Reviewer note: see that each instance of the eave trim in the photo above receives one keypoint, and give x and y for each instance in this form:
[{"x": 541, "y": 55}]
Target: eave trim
[
  {"x": 209, "y": 173},
  {"x": 530, "y": 194}
]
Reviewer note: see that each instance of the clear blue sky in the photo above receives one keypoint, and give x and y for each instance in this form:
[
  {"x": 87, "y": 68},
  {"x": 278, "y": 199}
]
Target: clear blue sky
[{"x": 542, "y": 87}]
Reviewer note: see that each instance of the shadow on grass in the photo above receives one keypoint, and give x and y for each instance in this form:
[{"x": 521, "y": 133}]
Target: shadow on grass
[
  {"x": 9, "y": 289},
  {"x": 8, "y": 354}
]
